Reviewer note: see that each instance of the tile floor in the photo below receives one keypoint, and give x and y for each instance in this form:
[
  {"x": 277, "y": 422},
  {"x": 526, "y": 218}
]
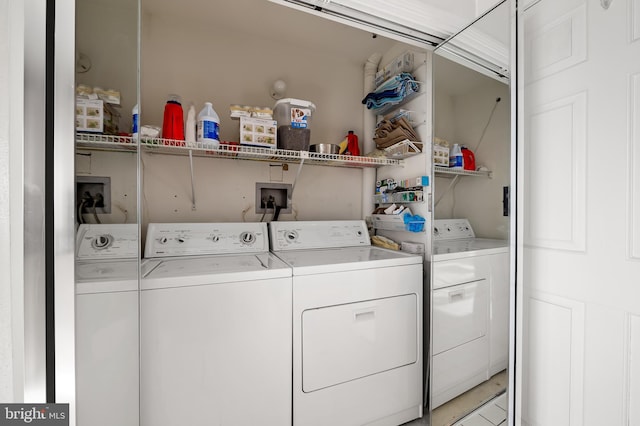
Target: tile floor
[
  {"x": 465, "y": 407},
  {"x": 492, "y": 413}
]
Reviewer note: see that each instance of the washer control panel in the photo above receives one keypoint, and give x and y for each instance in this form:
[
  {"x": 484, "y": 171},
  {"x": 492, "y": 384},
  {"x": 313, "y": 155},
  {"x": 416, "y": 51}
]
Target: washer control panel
[
  {"x": 318, "y": 234},
  {"x": 452, "y": 229},
  {"x": 107, "y": 241},
  {"x": 190, "y": 239}
]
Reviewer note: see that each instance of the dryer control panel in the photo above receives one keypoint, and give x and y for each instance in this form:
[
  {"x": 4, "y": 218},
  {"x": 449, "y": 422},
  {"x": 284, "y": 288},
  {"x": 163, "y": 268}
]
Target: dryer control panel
[
  {"x": 191, "y": 239},
  {"x": 305, "y": 235},
  {"x": 452, "y": 229}
]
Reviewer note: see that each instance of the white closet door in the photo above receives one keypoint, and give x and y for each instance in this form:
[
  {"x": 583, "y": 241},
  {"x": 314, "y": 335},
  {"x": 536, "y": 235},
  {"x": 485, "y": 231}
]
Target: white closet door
[{"x": 579, "y": 181}]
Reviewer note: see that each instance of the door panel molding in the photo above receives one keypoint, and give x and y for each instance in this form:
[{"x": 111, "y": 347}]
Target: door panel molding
[
  {"x": 557, "y": 45},
  {"x": 634, "y": 20},
  {"x": 556, "y": 330},
  {"x": 633, "y": 196},
  {"x": 557, "y": 140}
]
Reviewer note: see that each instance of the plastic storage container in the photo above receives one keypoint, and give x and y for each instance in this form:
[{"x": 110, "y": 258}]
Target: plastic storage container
[{"x": 294, "y": 123}]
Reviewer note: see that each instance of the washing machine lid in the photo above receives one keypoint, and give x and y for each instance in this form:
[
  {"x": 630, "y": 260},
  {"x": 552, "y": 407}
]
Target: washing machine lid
[
  {"x": 457, "y": 249},
  {"x": 321, "y": 261},
  {"x": 206, "y": 270},
  {"x": 105, "y": 276}
]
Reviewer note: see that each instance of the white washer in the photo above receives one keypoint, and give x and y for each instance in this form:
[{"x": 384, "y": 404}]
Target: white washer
[
  {"x": 215, "y": 327},
  {"x": 107, "y": 325},
  {"x": 470, "y": 308},
  {"x": 357, "y": 325}
]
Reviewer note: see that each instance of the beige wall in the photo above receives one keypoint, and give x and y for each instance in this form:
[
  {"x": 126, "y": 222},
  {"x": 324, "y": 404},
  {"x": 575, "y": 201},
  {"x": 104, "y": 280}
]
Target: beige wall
[
  {"x": 460, "y": 118},
  {"x": 225, "y": 61}
]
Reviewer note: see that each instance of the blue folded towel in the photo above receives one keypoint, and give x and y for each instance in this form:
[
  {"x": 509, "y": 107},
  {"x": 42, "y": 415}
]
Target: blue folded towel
[{"x": 391, "y": 91}]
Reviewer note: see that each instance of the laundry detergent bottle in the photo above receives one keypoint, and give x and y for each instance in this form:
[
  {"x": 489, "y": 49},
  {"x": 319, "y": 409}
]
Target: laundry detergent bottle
[
  {"x": 173, "y": 120},
  {"x": 208, "y": 127},
  {"x": 352, "y": 145},
  {"x": 455, "y": 158}
]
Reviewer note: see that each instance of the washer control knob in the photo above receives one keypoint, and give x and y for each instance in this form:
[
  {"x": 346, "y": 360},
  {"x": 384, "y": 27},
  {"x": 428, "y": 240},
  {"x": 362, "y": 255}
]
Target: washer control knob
[
  {"x": 102, "y": 241},
  {"x": 163, "y": 240},
  {"x": 181, "y": 240},
  {"x": 247, "y": 238},
  {"x": 290, "y": 236},
  {"x": 215, "y": 238}
]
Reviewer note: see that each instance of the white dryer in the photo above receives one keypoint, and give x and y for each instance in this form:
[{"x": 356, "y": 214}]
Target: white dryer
[
  {"x": 215, "y": 327},
  {"x": 357, "y": 325},
  {"x": 107, "y": 324},
  {"x": 470, "y": 308}
]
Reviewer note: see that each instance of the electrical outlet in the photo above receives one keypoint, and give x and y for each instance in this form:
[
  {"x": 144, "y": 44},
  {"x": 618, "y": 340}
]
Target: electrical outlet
[
  {"x": 270, "y": 195},
  {"x": 93, "y": 192},
  {"x": 505, "y": 201}
]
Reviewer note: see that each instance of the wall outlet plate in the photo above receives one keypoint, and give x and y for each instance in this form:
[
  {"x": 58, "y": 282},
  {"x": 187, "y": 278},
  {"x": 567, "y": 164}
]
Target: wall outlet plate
[{"x": 269, "y": 195}]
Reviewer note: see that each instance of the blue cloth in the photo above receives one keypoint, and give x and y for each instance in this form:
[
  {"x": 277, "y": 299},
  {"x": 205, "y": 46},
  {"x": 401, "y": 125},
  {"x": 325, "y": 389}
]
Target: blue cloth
[{"x": 391, "y": 91}]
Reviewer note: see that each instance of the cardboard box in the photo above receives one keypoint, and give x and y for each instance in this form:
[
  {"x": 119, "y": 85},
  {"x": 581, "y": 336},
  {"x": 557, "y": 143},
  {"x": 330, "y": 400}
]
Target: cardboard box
[
  {"x": 403, "y": 63},
  {"x": 258, "y": 132},
  {"x": 89, "y": 115},
  {"x": 94, "y": 115}
]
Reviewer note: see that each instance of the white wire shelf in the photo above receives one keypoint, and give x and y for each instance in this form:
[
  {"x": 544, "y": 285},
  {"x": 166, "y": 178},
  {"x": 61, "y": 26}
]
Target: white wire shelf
[
  {"x": 105, "y": 142},
  {"x": 447, "y": 172},
  {"x": 240, "y": 152}
]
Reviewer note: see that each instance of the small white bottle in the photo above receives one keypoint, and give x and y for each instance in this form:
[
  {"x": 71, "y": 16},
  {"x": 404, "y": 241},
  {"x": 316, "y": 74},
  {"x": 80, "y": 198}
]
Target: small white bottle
[
  {"x": 208, "y": 126},
  {"x": 190, "y": 127},
  {"x": 455, "y": 158},
  {"x": 134, "y": 124}
]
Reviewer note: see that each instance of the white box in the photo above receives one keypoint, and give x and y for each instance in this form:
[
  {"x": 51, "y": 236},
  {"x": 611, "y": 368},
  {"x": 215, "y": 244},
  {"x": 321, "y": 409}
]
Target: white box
[
  {"x": 89, "y": 115},
  {"x": 258, "y": 132}
]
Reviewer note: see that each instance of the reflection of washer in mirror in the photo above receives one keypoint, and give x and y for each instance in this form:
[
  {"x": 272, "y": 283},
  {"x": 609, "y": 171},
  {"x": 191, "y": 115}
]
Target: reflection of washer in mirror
[
  {"x": 102, "y": 242},
  {"x": 472, "y": 108}
]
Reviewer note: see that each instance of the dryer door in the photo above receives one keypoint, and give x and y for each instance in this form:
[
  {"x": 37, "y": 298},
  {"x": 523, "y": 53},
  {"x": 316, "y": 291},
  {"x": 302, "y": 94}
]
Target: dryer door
[{"x": 346, "y": 342}]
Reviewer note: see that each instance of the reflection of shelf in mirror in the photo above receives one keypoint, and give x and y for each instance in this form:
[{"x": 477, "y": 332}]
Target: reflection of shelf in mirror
[
  {"x": 390, "y": 107},
  {"x": 399, "y": 197},
  {"x": 105, "y": 142},
  {"x": 243, "y": 152},
  {"x": 447, "y": 172}
]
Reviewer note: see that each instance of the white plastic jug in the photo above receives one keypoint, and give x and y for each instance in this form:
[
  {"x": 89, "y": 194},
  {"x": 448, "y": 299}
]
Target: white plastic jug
[
  {"x": 455, "y": 158},
  {"x": 208, "y": 125}
]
